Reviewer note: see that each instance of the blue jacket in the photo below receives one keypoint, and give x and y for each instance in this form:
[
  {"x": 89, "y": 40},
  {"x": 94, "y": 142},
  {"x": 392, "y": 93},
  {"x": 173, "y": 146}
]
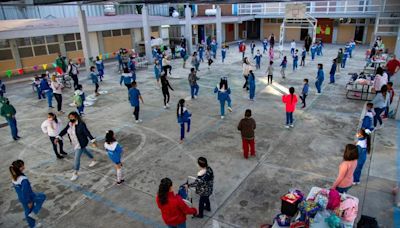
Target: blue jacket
[
  {"x": 93, "y": 76},
  {"x": 114, "y": 151},
  {"x": 126, "y": 78},
  {"x": 223, "y": 53},
  {"x": 44, "y": 85},
  {"x": 131, "y": 65},
  {"x": 305, "y": 89},
  {"x": 303, "y": 53},
  {"x": 320, "y": 75},
  {"x": 333, "y": 69},
  {"x": 185, "y": 117},
  {"x": 283, "y": 64},
  {"x": 313, "y": 49},
  {"x": 222, "y": 96},
  {"x": 252, "y": 81},
  {"x": 367, "y": 122},
  {"x": 24, "y": 190},
  {"x": 99, "y": 65},
  {"x": 134, "y": 94},
  {"x": 82, "y": 133},
  {"x": 295, "y": 58},
  {"x": 119, "y": 58},
  {"x": 183, "y": 52},
  {"x": 265, "y": 43},
  {"x": 258, "y": 58}
]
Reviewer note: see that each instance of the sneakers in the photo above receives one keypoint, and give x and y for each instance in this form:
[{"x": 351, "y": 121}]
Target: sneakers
[
  {"x": 165, "y": 107},
  {"x": 38, "y": 225},
  {"x": 195, "y": 96},
  {"x": 33, "y": 216},
  {"x": 287, "y": 126},
  {"x": 222, "y": 117},
  {"x": 230, "y": 109},
  {"x": 92, "y": 163},
  {"x": 74, "y": 177},
  {"x": 317, "y": 93},
  {"x": 356, "y": 183},
  {"x": 291, "y": 125},
  {"x": 139, "y": 121}
]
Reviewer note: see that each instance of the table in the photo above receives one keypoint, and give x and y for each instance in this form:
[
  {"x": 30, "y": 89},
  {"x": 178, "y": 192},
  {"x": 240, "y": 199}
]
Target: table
[{"x": 362, "y": 92}]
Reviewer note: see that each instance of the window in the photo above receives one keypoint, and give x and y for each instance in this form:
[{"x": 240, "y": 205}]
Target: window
[
  {"x": 5, "y": 54},
  {"x": 40, "y": 50},
  {"x": 23, "y": 41},
  {"x": 72, "y": 43},
  {"x": 38, "y": 40},
  {"x": 79, "y": 44},
  {"x": 25, "y": 52},
  {"x": 52, "y": 39},
  {"x": 53, "y": 48},
  {"x": 71, "y": 46},
  {"x": 106, "y": 33},
  {"x": 40, "y": 45},
  {"x": 69, "y": 37},
  {"x": 126, "y": 31},
  {"x": 4, "y": 44},
  {"x": 116, "y": 32},
  {"x": 154, "y": 29}
]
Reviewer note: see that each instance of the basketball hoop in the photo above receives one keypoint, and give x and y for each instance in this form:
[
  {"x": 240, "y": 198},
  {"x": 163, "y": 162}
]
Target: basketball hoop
[{"x": 295, "y": 11}]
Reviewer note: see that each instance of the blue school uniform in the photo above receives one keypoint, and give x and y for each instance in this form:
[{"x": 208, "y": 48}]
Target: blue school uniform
[
  {"x": 26, "y": 196},
  {"x": 184, "y": 117},
  {"x": 131, "y": 66},
  {"x": 295, "y": 60},
  {"x": 265, "y": 45},
  {"x": 258, "y": 60},
  {"x": 214, "y": 48},
  {"x": 252, "y": 86},
  {"x": 362, "y": 157},
  {"x": 368, "y": 121},
  {"x": 223, "y": 54},
  {"x": 114, "y": 151},
  {"x": 201, "y": 54},
  {"x": 157, "y": 71},
  {"x": 100, "y": 67},
  {"x": 320, "y": 79},
  {"x": 319, "y": 49},
  {"x": 93, "y": 76},
  {"x": 345, "y": 56},
  {"x": 332, "y": 72},
  {"x": 44, "y": 87},
  {"x": 223, "y": 95},
  {"x": 313, "y": 50},
  {"x": 134, "y": 94},
  {"x": 126, "y": 78},
  {"x": 183, "y": 53}
]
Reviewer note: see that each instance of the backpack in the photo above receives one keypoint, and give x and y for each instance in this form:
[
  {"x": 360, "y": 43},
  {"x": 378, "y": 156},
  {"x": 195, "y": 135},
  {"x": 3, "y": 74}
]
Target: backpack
[
  {"x": 78, "y": 100},
  {"x": 333, "y": 200}
]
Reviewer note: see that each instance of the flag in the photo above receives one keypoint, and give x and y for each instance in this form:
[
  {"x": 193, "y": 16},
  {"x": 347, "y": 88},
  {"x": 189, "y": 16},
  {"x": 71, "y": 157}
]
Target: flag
[
  {"x": 20, "y": 71},
  {"x": 8, "y": 73},
  {"x": 35, "y": 67},
  {"x": 44, "y": 66}
]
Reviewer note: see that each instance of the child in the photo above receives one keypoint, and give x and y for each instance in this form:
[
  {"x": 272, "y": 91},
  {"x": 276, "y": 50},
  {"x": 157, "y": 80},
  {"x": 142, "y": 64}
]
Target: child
[
  {"x": 183, "y": 54},
  {"x": 31, "y": 202},
  {"x": 184, "y": 116},
  {"x": 164, "y": 87},
  {"x": 295, "y": 59},
  {"x": 258, "y": 59},
  {"x": 345, "y": 56},
  {"x": 368, "y": 120},
  {"x": 44, "y": 87},
  {"x": 100, "y": 67},
  {"x": 390, "y": 91},
  {"x": 194, "y": 87},
  {"x": 166, "y": 65},
  {"x": 352, "y": 46},
  {"x": 246, "y": 126},
  {"x": 271, "y": 53},
  {"x": 320, "y": 78},
  {"x": 132, "y": 65},
  {"x": 114, "y": 151},
  {"x": 157, "y": 71},
  {"x": 283, "y": 67},
  {"x": 304, "y": 93},
  {"x": 95, "y": 80},
  {"x": 214, "y": 47},
  {"x": 79, "y": 99},
  {"x": 36, "y": 83},
  {"x": 363, "y": 147},
  {"x": 223, "y": 95},
  {"x": 223, "y": 53},
  {"x": 303, "y": 57},
  {"x": 252, "y": 85},
  {"x": 270, "y": 71},
  {"x": 201, "y": 52},
  {"x": 252, "y": 46},
  {"x": 265, "y": 45},
  {"x": 292, "y": 47},
  {"x": 208, "y": 57},
  {"x": 339, "y": 59},
  {"x": 134, "y": 96},
  {"x": 290, "y": 101},
  {"x": 313, "y": 50},
  {"x": 332, "y": 72},
  {"x": 319, "y": 48}
]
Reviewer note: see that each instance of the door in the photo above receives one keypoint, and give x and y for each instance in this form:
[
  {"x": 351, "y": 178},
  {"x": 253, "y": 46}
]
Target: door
[
  {"x": 359, "y": 34},
  {"x": 303, "y": 33},
  {"x": 253, "y": 29},
  {"x": 200, "y": 33}
]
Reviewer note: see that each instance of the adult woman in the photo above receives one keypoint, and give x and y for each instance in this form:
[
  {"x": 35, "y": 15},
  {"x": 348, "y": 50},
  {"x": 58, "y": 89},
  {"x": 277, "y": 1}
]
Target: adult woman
[
  {"x": 57, "y": 92},
  {"x": 78, "y": 135},
  {"x": 344, "y": 180},
  {"x": 381, "y": 78},
  {"x": 380, "y": 102},
  {"x": 204, "y": 185},
  {"x": 52, "y": 127},
  {"x": 31, "y": 202},
  {"x": 246, "y": 70},
  {"x": 173, "y": 209}
]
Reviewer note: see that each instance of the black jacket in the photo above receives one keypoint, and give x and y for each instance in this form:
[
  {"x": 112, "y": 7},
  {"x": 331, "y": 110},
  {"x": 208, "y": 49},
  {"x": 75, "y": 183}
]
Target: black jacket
[
  {"x": 204, "y": 184},
  {"x": 82, "y": 133}
]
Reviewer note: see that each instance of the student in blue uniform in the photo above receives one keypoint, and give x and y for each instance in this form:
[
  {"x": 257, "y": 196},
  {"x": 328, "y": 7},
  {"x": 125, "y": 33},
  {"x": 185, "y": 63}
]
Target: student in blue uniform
[
  {"x": 100, "y": 67},
  {"x": 332, "y": 72},
  {"x": 265, "y": 45},
  {"x": 258, "y": 59},
  {"x": 114, "y": 151},
  {"x": 319, "y": 48},
  {"x": 223, "y": 91},
  {"x": 363, "y": 148},
  {"x": 295, "y": 59},
  {"x": 214, "y": 47},
  {"x": 95, "y": 80},
  {"x": 157, "y": 71},
  {"x": 126, "y": 78},
  {"x": 320, "y": 78},
  {"x": 345, "y": 56},
  {"x": 304, "y": 93},
  {"x": 44, "y": 87},
  {"x": 368, "y": 120},
  {"x": 79, "y": 99},
  {"x": 252, "y": 85},
  {"x": 201, "y": 52},
  {"x": 31, "y": 202},
  {"x": 134, "y": 96},
  {"x": 132, "y": 65},
  {"x": 184, "y": 116},
  {"x": 313, "y": 50},
  {"x": 303, "y": 57},
  {"x": 223, "y": 53}
]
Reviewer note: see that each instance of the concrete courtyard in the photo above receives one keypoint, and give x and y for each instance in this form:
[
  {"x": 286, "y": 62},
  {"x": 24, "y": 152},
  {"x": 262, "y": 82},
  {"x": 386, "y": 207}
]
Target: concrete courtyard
[{"x": 246, "y": 192}]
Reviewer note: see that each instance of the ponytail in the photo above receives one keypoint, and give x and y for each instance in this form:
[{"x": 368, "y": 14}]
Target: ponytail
[
  {"x": 53, "y": 116},
  {"x": 179, "y": 107},
  {"x": 163, "y": 190},
  {"x": 15, "y": 169}
]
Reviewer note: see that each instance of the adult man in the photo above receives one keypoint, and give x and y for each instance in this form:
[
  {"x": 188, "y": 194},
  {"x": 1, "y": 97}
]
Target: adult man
[{"x": 392, "y": 66}]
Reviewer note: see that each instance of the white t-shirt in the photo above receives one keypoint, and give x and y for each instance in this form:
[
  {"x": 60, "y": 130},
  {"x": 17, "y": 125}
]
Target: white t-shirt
[
  {"x": 293, "y": 45},
  {"x": 51, "y": 128}
]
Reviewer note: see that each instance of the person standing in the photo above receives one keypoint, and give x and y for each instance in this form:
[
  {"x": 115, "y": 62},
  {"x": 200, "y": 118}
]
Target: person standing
[
  {"x": 270, "y": 72},
  {"x": 57, "y": 92},
  {"x": 252, "y": 85},
  {"x": 252, "y": 47},
  {"x": 283, "y": 67},
  {"x": 381, "y": 101},
  {"x": 60, "y": 62},
  {"x": 214, "y": 47},
  {"x": 295, "y": 59},
  {"x": 223, "y": 53},
  {"x": 223, "y": 91},
  {"x": 183, "y": 116},
  {"x": 290, "y": 101},
  {"x": 127, "y": 78},
  {"x": 265, "y": 45},
  {"x": 208, "y": 57},
  {"x": 3, "y": 89},
  {"x": 307, "y": 42},
  {"x": 304, "y": 93},
  {"x": 204, "y": 185},
  {"x": 313, "y": 51},
  {"x": 258, "y": 59},
  {"x": 166, "y": 65},
  {"x": 173, "y": 208},
  {"x": 95, "y": 80},
  {"x": 31, "y": 202},
  {"x": 194, "y": 87},
  {"x": 114, "y": 151},
  {"x": 292, "y": 47},
  {"x": 44, "y": 87},
  {"x": 8, "y": 111},
  {"x": 52, "y": 127},
  {"x": 339, "y": 59},
  {"x": 272, "y": 41},
  {"x": 201, "y": 51},
  {"x": 246, "y": 70},
  {"x": 246, "y": 127},
  {"x": 303, "y": 57},
  {"x": 78, "y": 134},
  {"x": 320, "y": 78},
  {"x": 134, "y": 96},
  {"x": 100, "y": 67},
  {"x": 173, "y": 50},
  {"x": 195, "y": 61},
  {"x": 242, "y": 49},
  {"x": 363, "y": 148},
  {"x": 73, "y": 72},
  {"x": 164, "y": 88},
  {"x": 79, "y": 99},
  {"x": 332, "y": 72},
  {"x": 344, "y": 180}
]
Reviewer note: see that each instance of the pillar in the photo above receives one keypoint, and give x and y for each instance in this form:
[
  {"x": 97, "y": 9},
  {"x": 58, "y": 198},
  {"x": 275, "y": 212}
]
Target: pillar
[
  {"x": 397, "y": 47},
  {"x": 63, "y": 51},
  {"x": 262, "y": 29},
  {"x": 132, "y": 32},
  {"x": 219, "y": 25},
  {"x": 15, "y": 53},
  {"x": 334, "y": 34},
  {"x": 365, "y": 34},
  {"x": 83, "y": 29},
  {"x": 100, "y": 40},
  {"x": 236, "y": 31},
  {"x": 188, "y": 28},
  {"x": 146, "y": 32}
]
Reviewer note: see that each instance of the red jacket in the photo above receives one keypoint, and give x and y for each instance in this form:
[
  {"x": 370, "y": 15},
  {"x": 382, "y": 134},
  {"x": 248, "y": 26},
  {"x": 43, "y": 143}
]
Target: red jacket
[
  {"x": 175, "y": 211},
  {"x": 242, "y": 48},
  {"x": 290, "y": 102}
]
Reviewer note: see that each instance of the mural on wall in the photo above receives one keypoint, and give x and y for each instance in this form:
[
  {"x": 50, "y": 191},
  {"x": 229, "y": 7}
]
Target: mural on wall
[{"x": 324, "y": 30}]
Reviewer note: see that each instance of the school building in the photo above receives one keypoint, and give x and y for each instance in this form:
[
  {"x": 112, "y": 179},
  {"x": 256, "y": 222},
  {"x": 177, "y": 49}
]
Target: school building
[{"x": 34, "y": 35}]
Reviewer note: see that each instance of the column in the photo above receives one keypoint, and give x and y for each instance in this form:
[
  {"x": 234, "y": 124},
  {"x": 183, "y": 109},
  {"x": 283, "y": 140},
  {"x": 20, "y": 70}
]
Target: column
[
  {"x": 262, "y": 29},
  {"x": 236, "y": 31},
  {"x": 83, "y": 29},
  {"x": 188, "y": 28},
  {"x": 334, "y": 34},
  {"x": 219, "y": 26},
  {"x": 100, "y": 40},
  {"x": 146, "y": 33},
  {"x": 397, "y": 48},
  {"x": 132, "y": 32},
  {"x": 63, "y": 51},
  {"x": 365, "y": 34},
  {"x": 15, "y": 53}
]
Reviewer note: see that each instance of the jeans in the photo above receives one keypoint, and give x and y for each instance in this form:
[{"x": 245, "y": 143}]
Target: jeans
[
  {"x": 264, "y": 49},
  {"x": 80, "y": 109},
  {"x": 12, "y": 122},
  {"x": 58, "y": 98},
  {"x": 318, "y": 85},
  {"x": 252, "y": 92},
  {"x": 78, "y": 154},
  {"x": 222, "y": 103},
  {"x": 136, "y": 112},
  {"x": 258, "y": 65},
  {"x": 289, "y": 118},
  {"x": 291, "y": 51},
  {"x": 342, "y": 190},
  {"x": 343, "y": 64},
  {"x": 49, "y": 94},
  {"x": 204, "y": 203},
  {"x": 303, "y": 61},
  {"x": 283, "y": 72},
  {"x": 60, "y": 143},
  {"x": 182, "y": 225},
  {"x": 294, "y": 64},
  {"x": 377, "y": 117},
  {"x": 40, "y": 93},
  {"x": 303, "y": 99},
  {"x": 165, "y": 93},
  {"x": 332, "y": 78},
  {"x": 246, "y": 143},
  {"x": 38, "y": 201},
  {"x": 183, "y": 128},
  {"x": 312, "y": 55},
  {"x": 362, "y": 157},
  {"x": 194, "y": 90},
  {"x": 75, "y": 79}
]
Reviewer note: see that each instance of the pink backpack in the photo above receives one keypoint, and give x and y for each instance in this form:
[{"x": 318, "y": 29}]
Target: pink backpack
[
  {"x": 334, "y": 200},
  {"x": 349, "y": 209}
]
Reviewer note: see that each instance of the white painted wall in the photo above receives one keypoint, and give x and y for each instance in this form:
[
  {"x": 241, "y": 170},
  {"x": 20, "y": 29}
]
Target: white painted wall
[{"x": 94, "y": 43}]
